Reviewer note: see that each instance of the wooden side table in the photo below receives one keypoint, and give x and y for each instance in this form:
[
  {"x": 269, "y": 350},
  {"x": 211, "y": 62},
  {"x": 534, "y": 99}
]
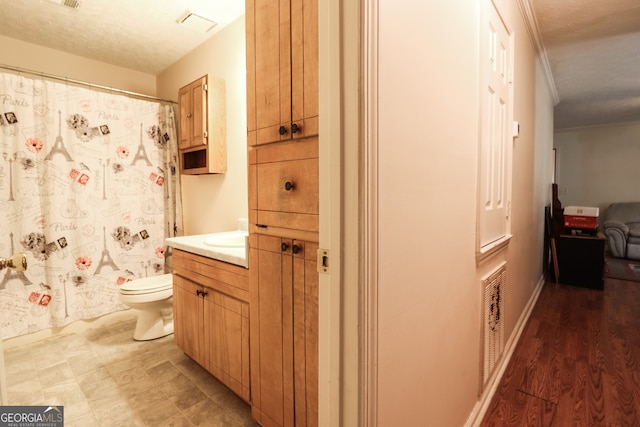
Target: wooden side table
[{"x": 581, "y": 260}]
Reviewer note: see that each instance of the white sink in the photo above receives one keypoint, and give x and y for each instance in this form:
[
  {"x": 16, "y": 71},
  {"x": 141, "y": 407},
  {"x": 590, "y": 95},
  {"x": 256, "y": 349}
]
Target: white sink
[
  {"x": 227, "y": 241},
  {"x": 227, "y": 246}
]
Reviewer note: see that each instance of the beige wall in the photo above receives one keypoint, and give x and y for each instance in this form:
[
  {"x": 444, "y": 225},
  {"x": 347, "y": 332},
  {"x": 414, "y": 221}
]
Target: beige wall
[
  {"x": 16, "y": 53},
  {"x": 429, "y": 302},
  {"x": 597, "y": 166},
  {"x": 213, "y": 203}
]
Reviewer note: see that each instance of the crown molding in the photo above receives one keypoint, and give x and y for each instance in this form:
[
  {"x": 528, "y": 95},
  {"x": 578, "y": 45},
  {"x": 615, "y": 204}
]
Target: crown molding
[{"x": 531, "y": 23}]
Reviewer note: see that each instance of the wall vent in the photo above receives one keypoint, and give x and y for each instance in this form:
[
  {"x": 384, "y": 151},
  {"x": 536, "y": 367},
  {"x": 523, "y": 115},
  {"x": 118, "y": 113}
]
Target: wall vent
[{"x": 494, "y": 287}]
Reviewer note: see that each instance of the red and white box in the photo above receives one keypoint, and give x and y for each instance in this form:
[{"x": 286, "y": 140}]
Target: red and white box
[{"x": 581, "y": 217}]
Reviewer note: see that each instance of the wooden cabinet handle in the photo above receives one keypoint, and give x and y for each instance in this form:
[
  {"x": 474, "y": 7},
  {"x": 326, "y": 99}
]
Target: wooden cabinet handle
[
  {"x": 295, "y": 128},
  {"x": 284, "y": 247},
  {"x": 296, "y": 249},
  {"x": 189, "y": 115},
  {"x": 288, "y": 186},
  {"x": 282, "y": 130}
]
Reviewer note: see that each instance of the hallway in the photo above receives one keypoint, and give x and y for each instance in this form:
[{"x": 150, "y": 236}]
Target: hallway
[{"x": 577, "y": 362}]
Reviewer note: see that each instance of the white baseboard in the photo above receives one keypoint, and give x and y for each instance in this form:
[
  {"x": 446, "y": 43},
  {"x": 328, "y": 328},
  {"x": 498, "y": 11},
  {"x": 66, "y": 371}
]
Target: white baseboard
[{"x": 479, "y": 410}]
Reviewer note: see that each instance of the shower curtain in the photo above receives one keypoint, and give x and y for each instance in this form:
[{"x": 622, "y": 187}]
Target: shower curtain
[{"x": 89, "y": 189}]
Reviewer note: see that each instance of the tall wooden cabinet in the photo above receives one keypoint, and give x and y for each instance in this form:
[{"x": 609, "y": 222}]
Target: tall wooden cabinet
[
  {"x": 282, "y": 135},
  {"x": 202, "y": 126}
]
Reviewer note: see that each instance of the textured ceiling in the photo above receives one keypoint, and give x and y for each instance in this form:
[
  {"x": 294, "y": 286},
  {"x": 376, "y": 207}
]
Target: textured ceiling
[
  {"x": 593, "y": 46},
  {"x": 142, "y": 35}
]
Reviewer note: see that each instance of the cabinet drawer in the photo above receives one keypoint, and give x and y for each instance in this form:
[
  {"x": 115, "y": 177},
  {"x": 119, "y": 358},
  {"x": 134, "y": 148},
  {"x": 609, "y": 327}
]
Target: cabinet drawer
[
  {"x": 230, "y": 279},
  {"x": 286, "y": 182},
  {"x": 289, "y": 186}
]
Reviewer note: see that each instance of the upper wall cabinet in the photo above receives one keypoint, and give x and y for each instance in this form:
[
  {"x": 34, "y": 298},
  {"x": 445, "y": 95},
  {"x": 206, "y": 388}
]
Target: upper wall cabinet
[
  {"x": 203, "y": 131},
  {"x": 282, "y": 80}
]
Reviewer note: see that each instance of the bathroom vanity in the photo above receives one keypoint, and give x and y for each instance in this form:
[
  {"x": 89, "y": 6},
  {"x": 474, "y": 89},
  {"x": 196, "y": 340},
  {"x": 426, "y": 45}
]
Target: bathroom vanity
[{"x": 211, "y": 305}]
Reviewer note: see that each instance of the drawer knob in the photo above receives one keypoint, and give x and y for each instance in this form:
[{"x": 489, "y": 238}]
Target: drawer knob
[
  {"x": 282, "y": 130},
  {"x": 288, "y": 186},
  {"x": 284, "y": 247},
  {"x": 296, "y": 249},
  {"x": 295, "y": 128}
]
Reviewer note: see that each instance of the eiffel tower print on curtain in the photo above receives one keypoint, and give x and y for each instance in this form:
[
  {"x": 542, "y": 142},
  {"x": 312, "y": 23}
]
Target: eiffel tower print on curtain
[
  {"x": 105, "y": 259},
  {"x": 141, "y": 154},
  {"x": 58, "y": 146}
]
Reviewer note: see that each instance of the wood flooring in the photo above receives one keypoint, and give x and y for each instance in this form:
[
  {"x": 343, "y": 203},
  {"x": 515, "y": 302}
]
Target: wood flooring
[{"x": 577, "y": 362}]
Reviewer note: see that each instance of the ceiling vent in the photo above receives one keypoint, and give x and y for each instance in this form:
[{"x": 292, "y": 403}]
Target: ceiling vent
[
  {"x": 197, "y": 22},
  {"x": 73, "y": 4}
]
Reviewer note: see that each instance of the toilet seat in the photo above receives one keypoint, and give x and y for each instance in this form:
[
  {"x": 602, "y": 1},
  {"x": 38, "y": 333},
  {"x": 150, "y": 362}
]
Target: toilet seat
[{"x": 147, "y": 285}]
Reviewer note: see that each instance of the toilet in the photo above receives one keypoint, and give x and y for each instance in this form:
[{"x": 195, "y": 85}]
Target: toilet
[{"x": 153, "y": 298}]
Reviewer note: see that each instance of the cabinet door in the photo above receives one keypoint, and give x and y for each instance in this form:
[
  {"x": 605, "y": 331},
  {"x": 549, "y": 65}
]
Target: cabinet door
[
  {"x": 272, "y": 332},
  {"x": 284, "y": 352},
  {"x": 282, "y": 70},
  {"x": 305, "y": 333},
  {"x": 199, "y": 111},
  {"x": 304, "y": 67},
  {"x": 184, "y": 108},
  {"x": 187, "y": 318},
  {"x": 268, "y": 67},
  {"x": 227, "y": 340},
  {"x": 192, "y": 105}
]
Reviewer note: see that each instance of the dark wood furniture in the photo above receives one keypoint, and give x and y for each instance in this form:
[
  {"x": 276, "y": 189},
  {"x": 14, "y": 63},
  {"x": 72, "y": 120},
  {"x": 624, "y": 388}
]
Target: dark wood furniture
[{"x": 581, "y": 260}]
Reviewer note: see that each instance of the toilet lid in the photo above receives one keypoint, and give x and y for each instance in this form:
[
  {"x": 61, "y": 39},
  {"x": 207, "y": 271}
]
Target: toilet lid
[{"x": 148, "y": 284}]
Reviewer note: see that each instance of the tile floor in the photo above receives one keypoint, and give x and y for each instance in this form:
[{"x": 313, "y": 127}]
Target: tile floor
[{"x": 103, "y": 377}]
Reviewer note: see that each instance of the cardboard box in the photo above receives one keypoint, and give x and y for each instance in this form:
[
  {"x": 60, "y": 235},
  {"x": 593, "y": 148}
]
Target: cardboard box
[{"x": 581, "y": 217}]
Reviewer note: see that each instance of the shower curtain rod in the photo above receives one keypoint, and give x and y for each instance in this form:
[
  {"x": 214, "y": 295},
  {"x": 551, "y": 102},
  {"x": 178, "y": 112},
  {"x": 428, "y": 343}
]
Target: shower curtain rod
[{"x": 80, "y": 82}]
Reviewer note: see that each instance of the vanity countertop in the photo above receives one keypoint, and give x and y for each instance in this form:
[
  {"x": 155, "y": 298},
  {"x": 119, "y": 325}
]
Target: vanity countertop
[{"x": 195, "y": 244}]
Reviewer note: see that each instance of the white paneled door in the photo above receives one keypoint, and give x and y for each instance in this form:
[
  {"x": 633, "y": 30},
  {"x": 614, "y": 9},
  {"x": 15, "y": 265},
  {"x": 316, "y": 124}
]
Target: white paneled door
[{"x": 496, "y": 119}]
